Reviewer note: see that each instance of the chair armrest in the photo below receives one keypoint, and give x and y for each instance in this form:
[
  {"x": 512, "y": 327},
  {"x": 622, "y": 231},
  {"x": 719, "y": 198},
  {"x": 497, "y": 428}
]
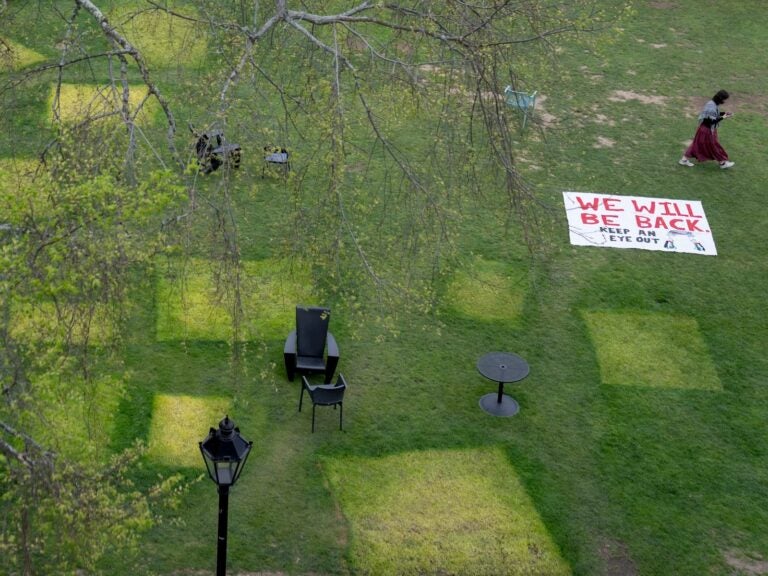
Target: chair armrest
[
  {"x": 289, "y": 355},
  {"x": 333, "y": 357},
  {"x": 290, "y": 343},
  {"x": 333, "y": 348}
]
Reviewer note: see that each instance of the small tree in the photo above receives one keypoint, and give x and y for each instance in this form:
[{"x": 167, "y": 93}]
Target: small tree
[
  {"x": 60, "y": 516},
  {"x": 332, "y": 79},
  {"x": 376, "y": 203},
  {"x": 70, "y": 241}
]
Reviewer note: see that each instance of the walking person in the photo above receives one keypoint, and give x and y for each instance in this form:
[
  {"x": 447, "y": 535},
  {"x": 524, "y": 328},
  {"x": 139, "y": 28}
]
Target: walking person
[{"x": 705, "y": 145}]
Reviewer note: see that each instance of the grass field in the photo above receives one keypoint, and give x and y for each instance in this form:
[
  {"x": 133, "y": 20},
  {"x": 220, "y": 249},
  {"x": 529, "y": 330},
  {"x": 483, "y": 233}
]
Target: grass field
[{"x": 641, "y": 446}]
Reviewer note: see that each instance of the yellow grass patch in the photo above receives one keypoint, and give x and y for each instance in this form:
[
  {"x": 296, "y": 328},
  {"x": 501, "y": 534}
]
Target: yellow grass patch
[
  {"x": 179, "y": 423},
  {"x": 442, "y": 512},
  {"x": 15, "y": 56},
  {"x": 651, "y": 349},
  {"x": 488, "y": 291},
  {"x": 44, "y": 322},
  {"x": 16, "y": 174},
  {"x": 77, "y": 419},
  {"x": 80, "y": 102},
  {"x": 192, "y": 307}
]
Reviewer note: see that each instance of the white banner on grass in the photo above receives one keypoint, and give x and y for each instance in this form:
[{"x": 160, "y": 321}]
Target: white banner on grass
[{"x": 638, "y": 222}]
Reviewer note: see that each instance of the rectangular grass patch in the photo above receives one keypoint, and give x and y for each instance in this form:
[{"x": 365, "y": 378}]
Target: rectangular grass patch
[
  {"x": 488, "y": 291},
  {"x": 77, "y": 419},
  {"x": 15, "y": 56},
  {"x": 44, "y": 322},
  {"x": 21, "y": 186},
  {"x": 651, "y": 349},
  {"x": 441, "y": 512},
  {"x": 16, "y": 172},
  {"x": 179, "y": 423},
  {"x": 195, "y": 303},
  {"x": 80, "y": 102}
]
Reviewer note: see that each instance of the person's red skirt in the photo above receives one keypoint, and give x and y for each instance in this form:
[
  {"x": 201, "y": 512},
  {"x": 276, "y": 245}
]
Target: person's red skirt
[{"x": 705, "y": 146}]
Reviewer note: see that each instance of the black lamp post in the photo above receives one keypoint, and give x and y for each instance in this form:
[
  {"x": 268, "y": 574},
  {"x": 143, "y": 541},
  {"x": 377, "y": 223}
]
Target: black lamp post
[{"x": 224, "y": 452}]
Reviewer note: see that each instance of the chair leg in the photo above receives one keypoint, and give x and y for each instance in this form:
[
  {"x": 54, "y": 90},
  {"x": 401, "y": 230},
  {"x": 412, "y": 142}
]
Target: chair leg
[
  {"x": 301, "y": 396},
  {"x": 290, "y": 365},
  {"x": 341, "y": 415},
  {"x": 313, "y": 417},
  {"x": 330, "y": 368}
]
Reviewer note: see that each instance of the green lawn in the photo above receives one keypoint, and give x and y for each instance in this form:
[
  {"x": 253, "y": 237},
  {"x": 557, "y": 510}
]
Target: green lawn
[{"x": 641, "y": 445}]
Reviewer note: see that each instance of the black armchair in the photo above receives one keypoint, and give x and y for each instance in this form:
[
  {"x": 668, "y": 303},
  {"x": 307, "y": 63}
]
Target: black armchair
[
  {"x": 305, "y": 347},
  {"x": 325, "y": 395}
]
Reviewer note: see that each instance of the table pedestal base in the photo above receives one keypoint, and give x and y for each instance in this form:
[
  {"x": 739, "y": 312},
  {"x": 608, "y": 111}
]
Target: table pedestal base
[{"x": 507, "y": 407}]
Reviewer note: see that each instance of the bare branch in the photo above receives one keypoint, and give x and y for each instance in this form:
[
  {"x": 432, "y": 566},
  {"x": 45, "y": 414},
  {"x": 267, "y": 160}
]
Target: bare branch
[
  {"x": 56, "y": 108},
  {"x": 348, "y": 16}
]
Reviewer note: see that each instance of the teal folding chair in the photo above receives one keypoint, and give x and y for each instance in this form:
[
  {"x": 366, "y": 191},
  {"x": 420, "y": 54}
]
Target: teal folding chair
[{"x": 524, "y": 102}]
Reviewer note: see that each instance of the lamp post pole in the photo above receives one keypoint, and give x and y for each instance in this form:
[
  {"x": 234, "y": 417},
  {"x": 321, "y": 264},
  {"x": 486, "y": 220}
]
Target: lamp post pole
[
  {"x": 224, "y": 453},
  {"x": 221, "y": 550}
]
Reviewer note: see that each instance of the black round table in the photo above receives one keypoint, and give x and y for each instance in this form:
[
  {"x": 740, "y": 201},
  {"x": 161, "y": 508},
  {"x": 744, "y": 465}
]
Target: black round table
[{"x": 501, "y": 367}]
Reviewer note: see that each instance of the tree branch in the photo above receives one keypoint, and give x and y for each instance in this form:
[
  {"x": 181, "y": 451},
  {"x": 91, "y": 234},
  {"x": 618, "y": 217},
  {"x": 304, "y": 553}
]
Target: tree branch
[
  {"x": 119, "y": 40},
  {"x": 24, "y": 457}
]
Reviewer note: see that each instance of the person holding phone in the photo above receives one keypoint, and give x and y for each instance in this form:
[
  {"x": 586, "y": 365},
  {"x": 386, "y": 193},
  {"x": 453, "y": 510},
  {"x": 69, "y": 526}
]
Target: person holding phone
[{"x": 705, "y": 145}]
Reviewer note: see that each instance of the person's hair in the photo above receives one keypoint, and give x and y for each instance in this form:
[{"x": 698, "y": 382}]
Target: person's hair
[{"x": 720, "y": 97}]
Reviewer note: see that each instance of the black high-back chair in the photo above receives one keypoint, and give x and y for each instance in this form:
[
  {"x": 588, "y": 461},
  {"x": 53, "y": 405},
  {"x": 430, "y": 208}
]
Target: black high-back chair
[
  {"x": 305, "y": 348},
  {"x": 325, "y": 395}
]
